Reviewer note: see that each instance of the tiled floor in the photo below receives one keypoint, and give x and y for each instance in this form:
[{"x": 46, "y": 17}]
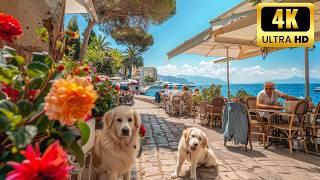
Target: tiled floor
[{"x": 160, "y": 147}]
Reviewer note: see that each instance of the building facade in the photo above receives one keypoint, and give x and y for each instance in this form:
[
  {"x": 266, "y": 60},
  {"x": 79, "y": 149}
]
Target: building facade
[{"x": 149, "y": 72}]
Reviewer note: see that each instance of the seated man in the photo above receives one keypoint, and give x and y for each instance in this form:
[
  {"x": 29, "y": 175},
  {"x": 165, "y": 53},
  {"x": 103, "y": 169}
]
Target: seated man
[{"x": 267, "y": 98}]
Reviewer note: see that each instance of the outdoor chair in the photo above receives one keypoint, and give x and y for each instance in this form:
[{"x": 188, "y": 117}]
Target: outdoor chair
[
  {"x": 187, "y": 103},
  {"x": 294, "y": 128},
  {"x": 162, "y": 101},
  {"x": 256, "y": 124},
  {"x": 215, "y": 111},
  {"x": 194, "y": 109},
  {"x": 176, "y": 105},
  {"x": 203, "y": 112},
  {"x": 314, "y": 126}
]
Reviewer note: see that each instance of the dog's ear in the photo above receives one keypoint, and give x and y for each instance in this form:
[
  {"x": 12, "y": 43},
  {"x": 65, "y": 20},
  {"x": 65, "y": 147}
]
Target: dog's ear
[
  {"x": 136, "y": 117},
  {"x": 204, "y": 141},
  {"x": 108, "y": 119},
  {"x": 186, "y": 134}
]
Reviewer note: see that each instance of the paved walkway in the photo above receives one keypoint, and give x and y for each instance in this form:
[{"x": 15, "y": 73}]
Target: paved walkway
[{"x": 160, "y": 147}]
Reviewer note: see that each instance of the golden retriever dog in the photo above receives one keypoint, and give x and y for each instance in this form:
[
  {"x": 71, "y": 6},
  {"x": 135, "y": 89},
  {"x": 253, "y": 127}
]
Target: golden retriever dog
[
  {"x": 193, "y": 147},
  {"x": 117, "y": 143}
]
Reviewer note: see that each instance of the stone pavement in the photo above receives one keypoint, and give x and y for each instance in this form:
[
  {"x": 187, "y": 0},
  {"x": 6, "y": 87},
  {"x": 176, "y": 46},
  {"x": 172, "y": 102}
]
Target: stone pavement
[{"x": 160, "y": 148}]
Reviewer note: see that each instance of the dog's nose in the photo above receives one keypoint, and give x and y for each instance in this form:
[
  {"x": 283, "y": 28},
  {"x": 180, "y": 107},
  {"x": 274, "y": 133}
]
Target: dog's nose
[
  {"x": 125, "y": 131},
  {"x": 195, "y": 144}
]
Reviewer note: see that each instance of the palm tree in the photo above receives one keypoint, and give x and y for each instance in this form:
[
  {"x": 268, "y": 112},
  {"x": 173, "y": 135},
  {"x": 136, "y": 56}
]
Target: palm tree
[
  {"x": 117, "y": 59},
  {"x": 133, "y": 58},
  {"x": 99, "y": 42}
]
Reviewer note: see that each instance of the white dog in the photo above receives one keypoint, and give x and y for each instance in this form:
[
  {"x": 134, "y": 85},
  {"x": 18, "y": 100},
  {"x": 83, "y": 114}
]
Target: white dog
[
  {"x": 193, "y": 147},
  {"x": 116, "y": 145}
]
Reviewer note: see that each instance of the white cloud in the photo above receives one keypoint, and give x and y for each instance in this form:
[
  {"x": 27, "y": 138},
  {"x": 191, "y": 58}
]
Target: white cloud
[{"x": 250, "y": 74}]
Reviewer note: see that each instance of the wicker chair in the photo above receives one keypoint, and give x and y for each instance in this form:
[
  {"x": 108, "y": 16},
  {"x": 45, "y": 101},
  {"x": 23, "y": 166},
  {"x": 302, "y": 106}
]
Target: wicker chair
[
  {"x": 215, "y": 111},
  {"x": 176, "y": 105},
  {"x": 203, "y": 111},
  {"x": 187, "y": 103},
  {"x": 314, "y": 126},
  {"x": 294, "y": 127},
  {"x": 256, "y": 125}
]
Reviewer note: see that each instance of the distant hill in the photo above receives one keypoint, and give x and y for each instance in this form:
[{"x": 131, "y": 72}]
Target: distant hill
[
  {"x": 295, "y": 80},
  {"x": 174, "y": 79},
  {"x": 201, "y": 80}
]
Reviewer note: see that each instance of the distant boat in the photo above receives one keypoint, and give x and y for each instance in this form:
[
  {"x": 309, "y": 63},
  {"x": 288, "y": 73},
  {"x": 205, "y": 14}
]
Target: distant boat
[
  {"x": 317, "y": 89},
  {"x": 171, "y": 84}
]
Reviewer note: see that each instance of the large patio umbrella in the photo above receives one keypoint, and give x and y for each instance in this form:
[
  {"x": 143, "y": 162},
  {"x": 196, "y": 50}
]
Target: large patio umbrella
[
  {"x": 80, "y": 7},
  {"x": 205, "y": 44},
  {"x": 243, "y": 31},
  {"x": 234, "y": 30}
]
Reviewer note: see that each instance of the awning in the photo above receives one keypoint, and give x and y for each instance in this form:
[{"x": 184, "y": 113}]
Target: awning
[
  {"x": 233, "y": 35},
  {"x": 81, "y": 6},
  {"x": 238, "y": 27}
]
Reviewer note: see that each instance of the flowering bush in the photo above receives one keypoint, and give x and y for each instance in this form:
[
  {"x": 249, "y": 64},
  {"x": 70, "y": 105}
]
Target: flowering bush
[
  {"x": 40, "y": 105},
  {"x": 107, "y": 93}
]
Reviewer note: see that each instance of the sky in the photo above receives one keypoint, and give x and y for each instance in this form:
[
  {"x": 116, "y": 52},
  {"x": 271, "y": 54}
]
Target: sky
[{"x": 191, "y": 18}]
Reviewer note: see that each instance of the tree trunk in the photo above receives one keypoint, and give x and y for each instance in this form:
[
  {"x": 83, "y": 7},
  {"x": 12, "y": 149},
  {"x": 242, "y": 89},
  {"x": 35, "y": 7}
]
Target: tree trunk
[
  {"x": 86, "y": 37},
  {"x": 130, "y": 68}
]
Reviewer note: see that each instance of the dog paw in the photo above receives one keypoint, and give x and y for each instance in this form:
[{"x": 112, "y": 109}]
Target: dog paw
[
  {"x": 174, "y": 175},
  {"x": 193, "y": 177}
]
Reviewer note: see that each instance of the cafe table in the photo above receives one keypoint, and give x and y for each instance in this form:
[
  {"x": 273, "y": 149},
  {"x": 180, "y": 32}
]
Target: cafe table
[{"x": 270, "y": 118}]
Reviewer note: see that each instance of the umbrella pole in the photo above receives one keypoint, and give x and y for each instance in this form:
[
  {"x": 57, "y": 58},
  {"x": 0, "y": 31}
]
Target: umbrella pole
[
  {"x": 228, "y": 77},
  {"x": 306, "y": 71}
]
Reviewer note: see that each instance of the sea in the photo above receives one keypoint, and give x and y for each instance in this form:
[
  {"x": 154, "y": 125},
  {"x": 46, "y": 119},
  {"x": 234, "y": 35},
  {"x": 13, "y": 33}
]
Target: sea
[{"x": 297, "y": 90}]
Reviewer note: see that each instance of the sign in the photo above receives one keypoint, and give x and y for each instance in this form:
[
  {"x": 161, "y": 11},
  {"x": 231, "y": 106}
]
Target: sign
[{"x": 285, "y": 25}]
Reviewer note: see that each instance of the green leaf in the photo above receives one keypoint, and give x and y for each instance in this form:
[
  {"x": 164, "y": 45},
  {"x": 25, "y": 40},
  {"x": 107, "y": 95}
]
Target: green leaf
[
  {"x": 35, "y": 83},
  {"x": 19, "y": 60},
  {"x": 76, "y": 150},
  {"x": 43, "y": 34},
  {"x": 8, "y": 72},
  {"x": 9, "y": 106},
  {"x": 42, "y": 57},
  {"x": 22, "y": 136},
  {"x": 43, "y": 123},
  {"x": 67, "y": 135},
  {"x": 9, "y": 51},
  {"x": 2, "y": 95},
  {"x": 4, "y": 123},
  {"x": 84, "y": 131},
  {"x": 25, "y": 107},
  {"x": 36, "y": 69}
]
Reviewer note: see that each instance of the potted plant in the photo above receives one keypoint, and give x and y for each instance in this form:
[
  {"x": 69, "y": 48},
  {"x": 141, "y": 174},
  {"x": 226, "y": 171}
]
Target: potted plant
[{"x": 39, "y": 107}]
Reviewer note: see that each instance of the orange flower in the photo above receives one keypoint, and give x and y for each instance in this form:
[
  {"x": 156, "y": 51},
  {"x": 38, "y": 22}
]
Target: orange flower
[{"x": 70, "y": 100}]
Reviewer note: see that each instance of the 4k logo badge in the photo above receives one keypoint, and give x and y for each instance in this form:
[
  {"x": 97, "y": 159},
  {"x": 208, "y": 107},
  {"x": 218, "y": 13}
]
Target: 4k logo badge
[{"x": 285, "y": 24}]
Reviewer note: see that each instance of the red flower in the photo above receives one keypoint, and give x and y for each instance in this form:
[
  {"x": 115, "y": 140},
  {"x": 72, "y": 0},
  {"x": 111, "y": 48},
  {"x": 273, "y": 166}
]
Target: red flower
[
  {"x": 97, "y": 79},
  {"x": 12, "y": 93},
  {"x": 85, "y": 69},
  {"x": 142, "y": 131},
  {"x": 10, "y": 28},
  {"x": 52, "y": 165},
  {"x": 32, "y": 94},
  {"x": 76, "y": 71},
  {"x": 117, "y": 88},
  {"x": 60, "y": 68}
]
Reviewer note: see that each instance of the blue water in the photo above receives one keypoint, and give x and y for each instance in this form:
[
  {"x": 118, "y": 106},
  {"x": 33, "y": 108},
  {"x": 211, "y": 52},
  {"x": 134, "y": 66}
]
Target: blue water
[{"x": 297, "y": 90}]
